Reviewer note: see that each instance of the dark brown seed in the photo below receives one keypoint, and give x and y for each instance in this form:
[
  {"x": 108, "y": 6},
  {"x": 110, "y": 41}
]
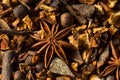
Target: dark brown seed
[
  {"x": 19, "y": 75},
  {"x": 20, "y": 11},
  {"x": 66, "y": 19}
]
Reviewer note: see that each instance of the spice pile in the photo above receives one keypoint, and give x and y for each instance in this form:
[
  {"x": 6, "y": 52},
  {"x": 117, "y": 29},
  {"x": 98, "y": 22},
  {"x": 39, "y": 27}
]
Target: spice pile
[{"x": 59, "y": 39}]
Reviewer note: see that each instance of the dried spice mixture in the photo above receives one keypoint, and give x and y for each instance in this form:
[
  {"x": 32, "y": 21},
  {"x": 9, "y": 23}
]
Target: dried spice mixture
[{"x": 59, "y": 39}]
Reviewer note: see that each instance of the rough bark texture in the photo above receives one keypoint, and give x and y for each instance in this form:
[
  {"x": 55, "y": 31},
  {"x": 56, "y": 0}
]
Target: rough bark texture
[{"x": 7, "y": 65}]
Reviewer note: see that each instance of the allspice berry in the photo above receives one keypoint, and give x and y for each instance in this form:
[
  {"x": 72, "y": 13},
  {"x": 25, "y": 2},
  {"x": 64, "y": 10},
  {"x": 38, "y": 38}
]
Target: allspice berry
[
  {"x": 20, "y": 11},
  {"x": 66, "y": 19},
  {"x": 19, "y": 75}
]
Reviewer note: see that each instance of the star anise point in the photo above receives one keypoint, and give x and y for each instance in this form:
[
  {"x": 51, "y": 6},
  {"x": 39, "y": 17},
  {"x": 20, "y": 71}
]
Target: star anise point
[{"x": 52, "y": 42}]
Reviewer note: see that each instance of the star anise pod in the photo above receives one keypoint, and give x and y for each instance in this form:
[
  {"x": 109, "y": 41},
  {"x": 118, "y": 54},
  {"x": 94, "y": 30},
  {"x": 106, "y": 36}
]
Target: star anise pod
[
  {"x": 113, "y": 64},
  {"x": 52, "y": 43}
]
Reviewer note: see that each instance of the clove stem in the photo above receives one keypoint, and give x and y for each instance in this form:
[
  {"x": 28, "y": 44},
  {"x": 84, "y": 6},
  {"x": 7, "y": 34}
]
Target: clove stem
[{"x": 15, "y": 32}]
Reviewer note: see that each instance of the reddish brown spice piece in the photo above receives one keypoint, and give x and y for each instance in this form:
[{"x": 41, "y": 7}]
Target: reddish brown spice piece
[{"x": 52, "y": 43}]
